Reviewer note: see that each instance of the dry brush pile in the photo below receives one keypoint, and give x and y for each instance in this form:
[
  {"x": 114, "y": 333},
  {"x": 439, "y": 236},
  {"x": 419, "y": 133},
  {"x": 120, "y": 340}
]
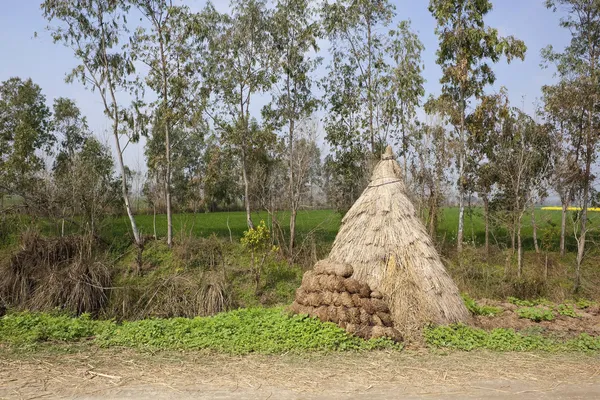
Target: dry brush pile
[
  {"x": 49, "y": 273},
  {"x": 330, "y": 294}
]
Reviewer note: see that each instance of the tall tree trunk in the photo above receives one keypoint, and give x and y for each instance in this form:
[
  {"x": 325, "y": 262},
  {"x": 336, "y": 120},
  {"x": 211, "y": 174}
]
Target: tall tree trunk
[
  {"x": 486, "y": 216},
  {"x": 584, "y": 209},
  {"x": 534, "y": 226},
  {"x": 370, "y": 87},
  {"x": 114, "y": 114},
  {"x": 461, "y": 171},
  {"x": 167, "y": 122},
  {"x": 563, "y": 226},
  {"x": 124, "y": 190},
  {"x": 293, "y": 202},
  {"x": 519, "y": 248},
  {"x": 154, "y": 220},
  {"x": 433, "y": 215},
  {"x": 246, "y": 190},
  {"x": 404, "y": 153},
  {"x": 470, "y": 208},
  {"x": 244, "y": 115},
  {"x": 513, "y": 235}
]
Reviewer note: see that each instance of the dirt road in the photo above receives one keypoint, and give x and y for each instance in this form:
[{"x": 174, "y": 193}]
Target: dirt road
[{"x": 91, "y": 373}]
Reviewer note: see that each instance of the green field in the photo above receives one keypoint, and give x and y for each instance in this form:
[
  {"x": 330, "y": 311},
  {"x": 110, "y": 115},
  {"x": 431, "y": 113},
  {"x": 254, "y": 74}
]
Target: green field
[{"x": 325, "y": 224}]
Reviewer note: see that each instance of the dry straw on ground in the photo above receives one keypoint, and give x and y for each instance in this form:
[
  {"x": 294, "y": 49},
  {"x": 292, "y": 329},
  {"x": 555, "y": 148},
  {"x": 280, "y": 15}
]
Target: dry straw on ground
[
  {"x": 387, "y": 246},
  {"x": 49, "y": 273}
]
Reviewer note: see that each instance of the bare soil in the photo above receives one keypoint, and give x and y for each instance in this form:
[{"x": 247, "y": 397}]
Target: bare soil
[
  {"x": 92, "y": 373},
  {"x": 588, "y": 321}
]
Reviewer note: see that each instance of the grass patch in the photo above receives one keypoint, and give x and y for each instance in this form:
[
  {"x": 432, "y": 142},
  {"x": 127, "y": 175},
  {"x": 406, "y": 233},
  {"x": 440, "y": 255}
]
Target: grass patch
[
  {"x": 529, "y": 303},
  {"x": 583, "y": 304},
  {"x": 535, "y": 314},
  {"x": 462, "y": 337},
  {"x": 255, "y": 330},
  {"x": 476, "y": 309},
  {"x": 567, "y": 310},
  {"x": 26, "y": 329}
]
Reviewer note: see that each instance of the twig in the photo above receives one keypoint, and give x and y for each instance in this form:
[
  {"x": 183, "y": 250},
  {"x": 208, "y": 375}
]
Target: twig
[{"x": 104, "y": 375}]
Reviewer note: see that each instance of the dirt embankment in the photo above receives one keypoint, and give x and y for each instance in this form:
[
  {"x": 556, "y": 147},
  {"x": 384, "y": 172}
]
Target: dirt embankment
[{"x": 586, "y": 321}]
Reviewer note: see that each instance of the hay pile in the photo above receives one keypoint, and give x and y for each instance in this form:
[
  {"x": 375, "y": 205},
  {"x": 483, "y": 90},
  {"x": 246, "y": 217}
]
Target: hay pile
[
  {"x": 49, "y": 273},
  {"x": 382, "y": 244},
  {"x": 388, "y": 247},
  {"x": 329, "y": 294}
]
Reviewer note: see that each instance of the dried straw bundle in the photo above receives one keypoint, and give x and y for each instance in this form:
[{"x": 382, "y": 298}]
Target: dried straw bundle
[{"x": 388, "y": 248}]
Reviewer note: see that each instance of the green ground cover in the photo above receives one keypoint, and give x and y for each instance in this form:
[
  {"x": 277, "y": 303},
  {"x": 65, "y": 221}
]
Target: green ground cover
[{"x": 257, "y": 330}]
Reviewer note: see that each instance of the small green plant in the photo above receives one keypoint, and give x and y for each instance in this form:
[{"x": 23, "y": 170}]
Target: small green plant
[
  {"x": 257, "y": 241},
  {"x": 528, "y": 303},
  {"x": 476, "y": 309},
  {"x": 463, "y": 337},
  {"x": 519, "y": 302},
  {"x": 536, "y": 314},
  {"x": 582, "y": 304},
  {"x": 567, "y": 310}
]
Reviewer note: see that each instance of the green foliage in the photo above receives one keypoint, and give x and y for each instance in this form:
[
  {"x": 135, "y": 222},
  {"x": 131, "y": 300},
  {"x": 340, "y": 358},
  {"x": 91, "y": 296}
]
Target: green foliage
[
  {"x": 476, "y": 309},
  {"x": 30, "y": 328},
  {"x": 462, "y": 337},
  {"x": 467, "y": 45},
  {"x": 258, "y": 238},
  {"x": 528, "y": 303},
  {"x": 519, "y": 302},
  {"x": 536, "y": 314},
  {"x": 258, "y": 330},
  {"x": 567, "y": 310},
  {"x": 24, "y": 134},
  {"x": 583, "y": 304}
]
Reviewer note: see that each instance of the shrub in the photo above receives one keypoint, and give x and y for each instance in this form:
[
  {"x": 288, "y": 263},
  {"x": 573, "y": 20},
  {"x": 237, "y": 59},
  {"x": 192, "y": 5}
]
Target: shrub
[
  {"x": 535, "y": 314},
  {"x": 198, "y": 252},
  {"x": 582, "y": 304},
  {"x": 529, "y": 303},
  {"x": 257, "y": 241},
  {"x": 567, "y": 310},
  {"x": 476, "y": 309}
]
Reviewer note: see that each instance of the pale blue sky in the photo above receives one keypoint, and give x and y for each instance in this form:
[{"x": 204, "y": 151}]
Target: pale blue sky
[{"x": 47, "y": 63}]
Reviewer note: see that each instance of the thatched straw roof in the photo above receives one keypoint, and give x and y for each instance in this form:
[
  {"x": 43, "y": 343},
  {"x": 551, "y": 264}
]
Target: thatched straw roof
[{"x": 389, "y": 248}]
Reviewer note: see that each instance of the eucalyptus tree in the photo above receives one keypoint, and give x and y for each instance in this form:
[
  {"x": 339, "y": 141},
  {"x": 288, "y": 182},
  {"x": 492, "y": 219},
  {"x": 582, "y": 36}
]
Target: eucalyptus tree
[
  {"x": 85, "y": 190},
  {"x": 93, "y": 30},
  {"x": 167, "y": 47},
  {"x": 564, "y": 109},
  {"x": 467, "y": 46},
  {"x": 373, "y": 87},
  {"x": 25, "y": 134},
  {"x": 485, "y": 124},
  {"x": 71, "y": 130},
  {"x": 405, "y": 88},
  {"x": 239, "y": 67},
  {"x": 580, "y": 64},
  {"x": 522, "y": 158},
  {"x": 358, "y": 69},
  {"x": 430, "y": 170},
  {"x": 295, "y": 32}
]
